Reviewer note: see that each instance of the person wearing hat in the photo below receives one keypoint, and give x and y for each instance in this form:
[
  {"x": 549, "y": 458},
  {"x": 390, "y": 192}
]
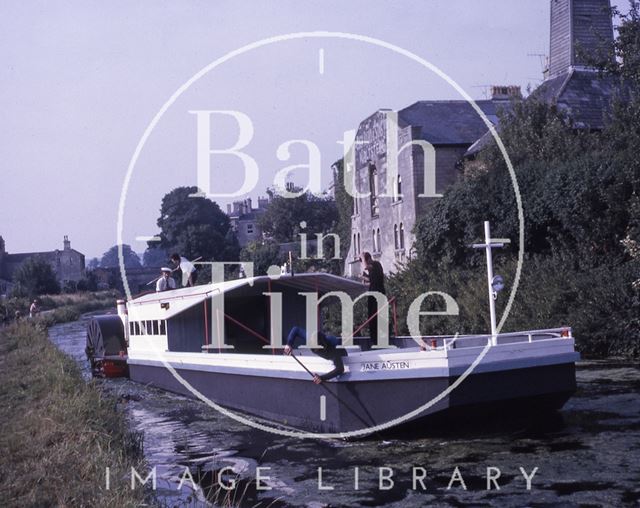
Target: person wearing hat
[{"x": 165, "y": 282}]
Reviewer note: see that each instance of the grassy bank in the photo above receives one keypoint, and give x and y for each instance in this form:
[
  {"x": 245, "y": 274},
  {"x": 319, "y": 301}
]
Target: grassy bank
[
  {"x": 59, "y": 308},
  {"x": 59, "y": 433}
]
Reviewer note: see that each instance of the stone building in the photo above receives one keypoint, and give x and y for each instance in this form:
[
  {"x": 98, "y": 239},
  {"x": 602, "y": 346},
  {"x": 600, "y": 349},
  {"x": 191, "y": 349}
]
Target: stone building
[
  {"x": 431, "y": 138},
  {"x": 245, "y": 219},
  {"x": 67, "y": 264},
  {"x": 382, "y": 222}
]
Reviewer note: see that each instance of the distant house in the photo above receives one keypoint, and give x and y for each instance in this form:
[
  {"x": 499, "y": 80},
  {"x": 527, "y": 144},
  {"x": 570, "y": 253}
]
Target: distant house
[
  {"x": 245, "y": 219},
  {"x": 67, "y": 264}
]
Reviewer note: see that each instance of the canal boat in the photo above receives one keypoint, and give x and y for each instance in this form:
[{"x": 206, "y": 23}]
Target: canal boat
[
  {"x": 170, "y": 346},
  {"x": 215, "y": 342}
]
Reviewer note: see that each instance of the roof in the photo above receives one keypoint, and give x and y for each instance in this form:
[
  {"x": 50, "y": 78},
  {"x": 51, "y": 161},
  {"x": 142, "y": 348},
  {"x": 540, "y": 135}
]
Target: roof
[
  {"x": 148, "y": 306},
  {"x": 584, "y": 94},
  {"x": 451, "y": 122}
]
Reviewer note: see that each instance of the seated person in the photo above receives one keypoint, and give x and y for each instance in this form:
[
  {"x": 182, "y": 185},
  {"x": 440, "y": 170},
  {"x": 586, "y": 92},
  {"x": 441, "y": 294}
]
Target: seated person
[
  {"x": 329, "y": 351},
  {"x": 165, "y": 282}
]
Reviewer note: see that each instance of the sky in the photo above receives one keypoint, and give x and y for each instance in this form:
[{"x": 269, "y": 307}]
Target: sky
[{"x": 81, "y": 82}]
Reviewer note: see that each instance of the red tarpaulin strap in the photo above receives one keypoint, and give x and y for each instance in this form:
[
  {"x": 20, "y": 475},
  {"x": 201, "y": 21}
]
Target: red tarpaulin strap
[
  {"x": 273, "y": 351},
  {"x": 367, "y": 321},
  {"x": 395, "y": 318},
  {"x": 206, "y": 325},
  {"x": 219, "y": 324},
  {"x": 252, "y": 332}
]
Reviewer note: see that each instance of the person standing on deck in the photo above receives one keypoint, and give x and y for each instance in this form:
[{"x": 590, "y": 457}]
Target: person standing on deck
[
  {"x": 165, "y": 282},
  {"x": 189, "y": 275},
  {"x": 329, "y": 351},
  {"x": 374, "y": 276}
]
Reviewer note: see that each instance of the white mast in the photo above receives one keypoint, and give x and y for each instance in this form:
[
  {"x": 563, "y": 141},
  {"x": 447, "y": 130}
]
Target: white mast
[{"x": 487, "y": 246}]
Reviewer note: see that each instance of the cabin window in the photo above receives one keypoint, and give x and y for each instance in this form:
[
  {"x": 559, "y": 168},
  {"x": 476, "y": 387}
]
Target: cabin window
[
  {"x": 163, "y": 327},
  {"x": 156, "y": 328},
  {"x": 136, "y": 327},
  {"x": 149, "y": 327},
  {"x": 131, "y": 328}
]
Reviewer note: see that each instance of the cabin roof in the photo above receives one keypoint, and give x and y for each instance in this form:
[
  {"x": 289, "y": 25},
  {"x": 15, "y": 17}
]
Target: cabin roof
[{"x": 148, "y": 306}]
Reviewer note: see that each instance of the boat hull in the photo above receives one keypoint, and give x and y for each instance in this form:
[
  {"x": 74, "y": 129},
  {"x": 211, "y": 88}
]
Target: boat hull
[{"x": 359, "y": 406}]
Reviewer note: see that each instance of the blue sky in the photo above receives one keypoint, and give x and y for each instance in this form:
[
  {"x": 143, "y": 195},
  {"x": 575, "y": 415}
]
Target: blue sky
[{"x": 81, "y": 81}]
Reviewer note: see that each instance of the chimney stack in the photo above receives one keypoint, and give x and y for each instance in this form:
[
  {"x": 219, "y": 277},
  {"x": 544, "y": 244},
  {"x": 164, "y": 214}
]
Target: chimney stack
[{"x": 505, "y": 92}]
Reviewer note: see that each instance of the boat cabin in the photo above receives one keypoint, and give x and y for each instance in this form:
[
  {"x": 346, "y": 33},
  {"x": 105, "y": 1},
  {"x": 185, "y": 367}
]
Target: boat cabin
[{"x": 193, "y": 320}]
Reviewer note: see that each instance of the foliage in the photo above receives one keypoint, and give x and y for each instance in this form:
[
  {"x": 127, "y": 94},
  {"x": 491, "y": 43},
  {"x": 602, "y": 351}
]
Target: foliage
[
  {"x": 344, "y": 205},
  {"x": 263, "y": 255},
  {"x": 35, "y": 277},
  {"x": 110, "y": 258},
  {"x": 196, "y": 227},
  {"x": 281, "y": 221},
  {"x": 580, "y": 196},
  {"x": 93, "y": 263},
  {"x": 155, "y": 257}
]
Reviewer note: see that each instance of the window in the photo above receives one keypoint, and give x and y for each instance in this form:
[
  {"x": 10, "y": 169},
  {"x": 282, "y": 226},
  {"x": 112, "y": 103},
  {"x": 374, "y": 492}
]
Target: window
[
  {"x": 355, "y": 206},
  {"x": 163, "y": 327},
  {"x": 355, "y": 246},
  {"x": 359, "y": 251},
  {"x": 395, "y": 236},
  {"x": 373, "y": 189},
  {"x": 131, "y": 329},
  {"x": 156, "y": 328},
  {"x": 375, "y": 241},
  {"x": 137, "y": 327},
  {"x": 399, "y": 189},
  {"x": 401, "y": 236},
  {"x": 149, "y": 327},
  {"x": 249, "y": 228},
  {"x": 378, "y": 238}
]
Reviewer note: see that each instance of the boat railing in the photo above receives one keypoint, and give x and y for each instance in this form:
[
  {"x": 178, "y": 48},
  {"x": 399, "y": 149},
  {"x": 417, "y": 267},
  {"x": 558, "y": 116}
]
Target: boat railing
[{"x": 448, "y": 342}]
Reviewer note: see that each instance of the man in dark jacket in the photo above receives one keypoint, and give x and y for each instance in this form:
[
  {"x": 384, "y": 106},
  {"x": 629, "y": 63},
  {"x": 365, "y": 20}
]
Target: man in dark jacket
[{"x": 374, "y": 275}]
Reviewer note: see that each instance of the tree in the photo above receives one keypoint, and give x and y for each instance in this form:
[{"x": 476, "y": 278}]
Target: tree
[
  {"x": 282, "y": 219},
  {"x": 110, "y": 258},
  {"x": 579, "y": 190},
  {"x": 344, "y": 206},
  {"x": 93, "y": 263},
  {"x": 35, "y": 277},
  {"x": 196, "y": 227},
  {"x": 155, "y": 257},
  {"x": 263, "y": 255}
]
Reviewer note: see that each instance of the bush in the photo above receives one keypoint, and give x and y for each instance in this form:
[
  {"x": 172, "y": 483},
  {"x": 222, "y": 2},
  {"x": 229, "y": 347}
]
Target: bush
[{"x": 35, "y": 277}]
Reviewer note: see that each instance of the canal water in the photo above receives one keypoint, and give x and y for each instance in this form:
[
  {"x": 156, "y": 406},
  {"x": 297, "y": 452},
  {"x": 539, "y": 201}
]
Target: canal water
[{"x": 586, "y": 455}]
